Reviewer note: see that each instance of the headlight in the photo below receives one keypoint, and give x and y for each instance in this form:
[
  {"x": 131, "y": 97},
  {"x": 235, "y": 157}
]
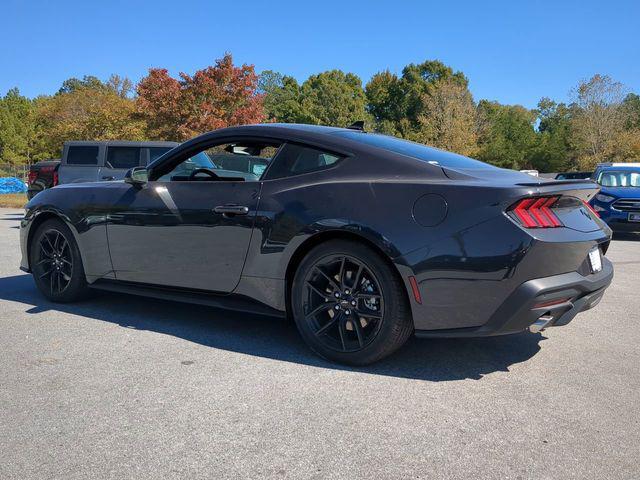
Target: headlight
[{"x": 604, "y": 198}]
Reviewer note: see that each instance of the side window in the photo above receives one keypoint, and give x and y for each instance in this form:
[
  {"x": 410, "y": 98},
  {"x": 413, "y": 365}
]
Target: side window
[
  {"x": 156, "y": 152},
  {"x": 243, "y": 157},
  {"x": 237, "y": 161},
  {"x": 82, "y": 155},
  {"x": 123, "y": 157},
  {"x": 296, "y": 159}
]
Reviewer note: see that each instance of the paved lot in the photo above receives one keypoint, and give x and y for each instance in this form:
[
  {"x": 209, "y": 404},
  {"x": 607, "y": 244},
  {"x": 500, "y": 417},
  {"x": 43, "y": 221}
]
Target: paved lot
[{"x": 123, "y": 387}]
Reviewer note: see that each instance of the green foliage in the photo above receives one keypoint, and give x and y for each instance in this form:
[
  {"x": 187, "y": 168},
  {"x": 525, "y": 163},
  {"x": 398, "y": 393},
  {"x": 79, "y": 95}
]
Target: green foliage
[
  {"x": 399, "y": 104},
  {"x": 88, "y": 81},
  {"x": 86, "y": 114},
  {"x": 17, "y": 128},
  {"x": 448, "y": 118},
  {"x": 282, "y": 97},
  {"x": 552, "y": 152},
  {"x": 333, "y": 98},
  {"x": 506, "y": 135},
  {"x": 419, "y": 81},
  {"x": 385, "y": 101},
  {"x": 328, "y": 98},
  {"x": 631, "y": 106}
]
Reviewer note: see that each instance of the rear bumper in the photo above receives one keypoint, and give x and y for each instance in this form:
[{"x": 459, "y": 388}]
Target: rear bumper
[{"x": 519, "y": 312}]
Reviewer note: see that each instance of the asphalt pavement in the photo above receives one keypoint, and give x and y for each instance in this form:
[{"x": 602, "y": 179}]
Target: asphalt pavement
[{"x": 122, "y": 387}]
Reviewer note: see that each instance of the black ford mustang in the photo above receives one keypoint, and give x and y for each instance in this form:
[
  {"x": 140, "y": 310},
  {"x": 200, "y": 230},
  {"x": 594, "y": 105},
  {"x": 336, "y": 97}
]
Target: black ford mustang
[{"x": 362, "y": 238}]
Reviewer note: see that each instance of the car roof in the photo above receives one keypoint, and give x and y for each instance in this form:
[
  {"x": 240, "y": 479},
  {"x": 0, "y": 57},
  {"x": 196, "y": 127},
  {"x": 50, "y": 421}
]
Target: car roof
[
  {"x": 632, "y": 167},
  {"x": 122, "y": 143},
  {"x": 318, "y": 134}
]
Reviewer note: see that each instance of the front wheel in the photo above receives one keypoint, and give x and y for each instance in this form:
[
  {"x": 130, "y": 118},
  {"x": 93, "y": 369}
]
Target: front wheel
[
  {"x": 56, "y": 264},
  {"x": 349, "y": 305}
]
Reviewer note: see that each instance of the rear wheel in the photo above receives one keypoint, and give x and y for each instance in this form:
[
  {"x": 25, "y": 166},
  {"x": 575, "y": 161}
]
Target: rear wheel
[
  {"x": 349, "y": 305},
  {"x": 56, "y": 264}
]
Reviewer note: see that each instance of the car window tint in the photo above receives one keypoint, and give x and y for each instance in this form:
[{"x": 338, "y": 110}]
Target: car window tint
[
  {"x": 123, "y": 157},
  {"x": 618, "y": 178},
  {"x": 82, "y": 155},
  {"x": 239, "y": 160},
  {"x": 415, "y": 150},
  {"x": 157, "y": 152},
  {"x": 296, "y": 159},
  {"x": 248, "y": 158}
]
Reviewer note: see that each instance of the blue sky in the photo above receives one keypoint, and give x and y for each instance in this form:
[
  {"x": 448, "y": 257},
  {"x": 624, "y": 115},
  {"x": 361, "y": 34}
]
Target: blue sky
[{"x": 511, "y": 51}]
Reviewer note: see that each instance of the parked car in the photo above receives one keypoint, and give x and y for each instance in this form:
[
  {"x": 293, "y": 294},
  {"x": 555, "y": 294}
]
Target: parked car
[
  {"x": 618, "y": 202},
  {"x": 42, "y": 175},
  {"x": 362, "y": 238},
  {"x": 91, "y": 161},
  {"x": 574, "y": 175}
]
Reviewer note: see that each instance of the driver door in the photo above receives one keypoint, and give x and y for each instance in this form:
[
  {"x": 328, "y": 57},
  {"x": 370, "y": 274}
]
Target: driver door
[{"x": 184, "y": 232}]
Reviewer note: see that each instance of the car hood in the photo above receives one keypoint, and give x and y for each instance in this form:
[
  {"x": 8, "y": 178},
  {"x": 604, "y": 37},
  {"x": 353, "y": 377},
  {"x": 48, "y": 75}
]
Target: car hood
[{"x": 621, "y": 192}]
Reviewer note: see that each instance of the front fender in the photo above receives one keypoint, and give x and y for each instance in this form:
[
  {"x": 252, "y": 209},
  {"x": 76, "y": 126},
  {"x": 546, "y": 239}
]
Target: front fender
[{"x": 83, "y": 219}]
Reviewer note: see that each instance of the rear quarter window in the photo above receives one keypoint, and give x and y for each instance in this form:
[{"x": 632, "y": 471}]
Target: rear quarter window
[
  {"x": 82, "y": 155},
  {"x": 415, "y": 150},
  {"x": 297, "y": 159}
]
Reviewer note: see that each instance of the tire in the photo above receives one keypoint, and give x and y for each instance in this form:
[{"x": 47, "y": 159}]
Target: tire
[
  {"x": 353, "y": 311},
  {"x": 56, "y": 264}
]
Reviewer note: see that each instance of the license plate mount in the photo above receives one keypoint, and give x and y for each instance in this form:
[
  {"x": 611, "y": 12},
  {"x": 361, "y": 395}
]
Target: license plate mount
[{"x": 595, "y": 260}]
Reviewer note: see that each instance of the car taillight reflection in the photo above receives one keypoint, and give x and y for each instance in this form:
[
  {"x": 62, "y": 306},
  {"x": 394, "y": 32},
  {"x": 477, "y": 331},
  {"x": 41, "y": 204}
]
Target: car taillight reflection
[{"x": 591, "y": 209}]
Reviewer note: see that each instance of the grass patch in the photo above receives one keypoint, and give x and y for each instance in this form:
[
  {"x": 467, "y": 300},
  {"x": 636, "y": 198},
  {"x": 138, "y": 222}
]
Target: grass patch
[{"x": 13, "y": 200}]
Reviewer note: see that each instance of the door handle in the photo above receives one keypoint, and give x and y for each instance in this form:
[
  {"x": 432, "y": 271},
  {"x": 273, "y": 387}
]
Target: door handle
[
  {"x": 231, "y": 210},
  {"x": 108, "y": 178}
]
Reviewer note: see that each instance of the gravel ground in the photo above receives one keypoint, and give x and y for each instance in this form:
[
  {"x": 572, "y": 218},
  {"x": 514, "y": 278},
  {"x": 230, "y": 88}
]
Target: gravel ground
[{"x": 125, "y": 387}]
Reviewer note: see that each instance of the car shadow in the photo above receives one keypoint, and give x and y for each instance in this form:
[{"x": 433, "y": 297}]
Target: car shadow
[{"x": 422, "y": 359}]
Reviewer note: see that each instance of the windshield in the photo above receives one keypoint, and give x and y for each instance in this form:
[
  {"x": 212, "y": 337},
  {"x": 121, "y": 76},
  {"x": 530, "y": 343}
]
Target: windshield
[
  {"x": 415, "y": 150},
  {"x": 619, "y": 178},
  {"x": 200, "y": 160}
]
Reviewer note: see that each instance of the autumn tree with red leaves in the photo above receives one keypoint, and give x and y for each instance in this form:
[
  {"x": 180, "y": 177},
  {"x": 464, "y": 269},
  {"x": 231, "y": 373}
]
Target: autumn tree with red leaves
[{"x": 218, "y": 96}]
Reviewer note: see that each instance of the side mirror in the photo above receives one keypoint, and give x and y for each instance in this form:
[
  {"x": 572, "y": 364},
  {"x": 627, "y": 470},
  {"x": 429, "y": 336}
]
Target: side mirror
[{"x": 137, "y": 176}]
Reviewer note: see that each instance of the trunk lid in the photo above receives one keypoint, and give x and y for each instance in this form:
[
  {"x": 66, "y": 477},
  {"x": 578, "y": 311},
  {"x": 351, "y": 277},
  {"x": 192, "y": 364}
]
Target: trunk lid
[{"x": 570, "y": 208}]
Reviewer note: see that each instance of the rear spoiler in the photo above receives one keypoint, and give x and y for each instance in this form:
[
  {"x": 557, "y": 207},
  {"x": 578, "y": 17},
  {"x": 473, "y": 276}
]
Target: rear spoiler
[{"x": 558, "y": 182}]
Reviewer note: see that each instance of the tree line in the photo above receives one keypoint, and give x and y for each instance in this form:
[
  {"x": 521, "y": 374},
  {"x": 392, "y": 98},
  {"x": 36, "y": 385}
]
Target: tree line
[{"x": 428, "y": 102}]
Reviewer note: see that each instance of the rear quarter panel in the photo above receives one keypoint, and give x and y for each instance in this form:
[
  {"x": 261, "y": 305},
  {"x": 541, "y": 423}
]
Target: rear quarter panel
[{"x": 466, "y": 265}]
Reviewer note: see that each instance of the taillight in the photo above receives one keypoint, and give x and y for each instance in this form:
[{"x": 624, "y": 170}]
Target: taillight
[
  {"x": 536, "y": 212},
  {"x": 32, "y": 176},
  {"x": 55, "y": 178}
]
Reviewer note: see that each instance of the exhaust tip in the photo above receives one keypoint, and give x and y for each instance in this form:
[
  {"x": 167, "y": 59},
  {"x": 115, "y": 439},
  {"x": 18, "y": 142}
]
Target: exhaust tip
[{"x": 541, "y": 323}]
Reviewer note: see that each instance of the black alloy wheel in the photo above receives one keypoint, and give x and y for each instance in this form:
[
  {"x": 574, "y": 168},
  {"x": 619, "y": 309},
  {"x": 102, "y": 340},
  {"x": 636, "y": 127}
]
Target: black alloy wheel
[
  {"x": 349, "y": 303},
  {"x": 55, "y": 262},
  {"x": 54, "y": 265},
  {"x": 343, "y": 303}
]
